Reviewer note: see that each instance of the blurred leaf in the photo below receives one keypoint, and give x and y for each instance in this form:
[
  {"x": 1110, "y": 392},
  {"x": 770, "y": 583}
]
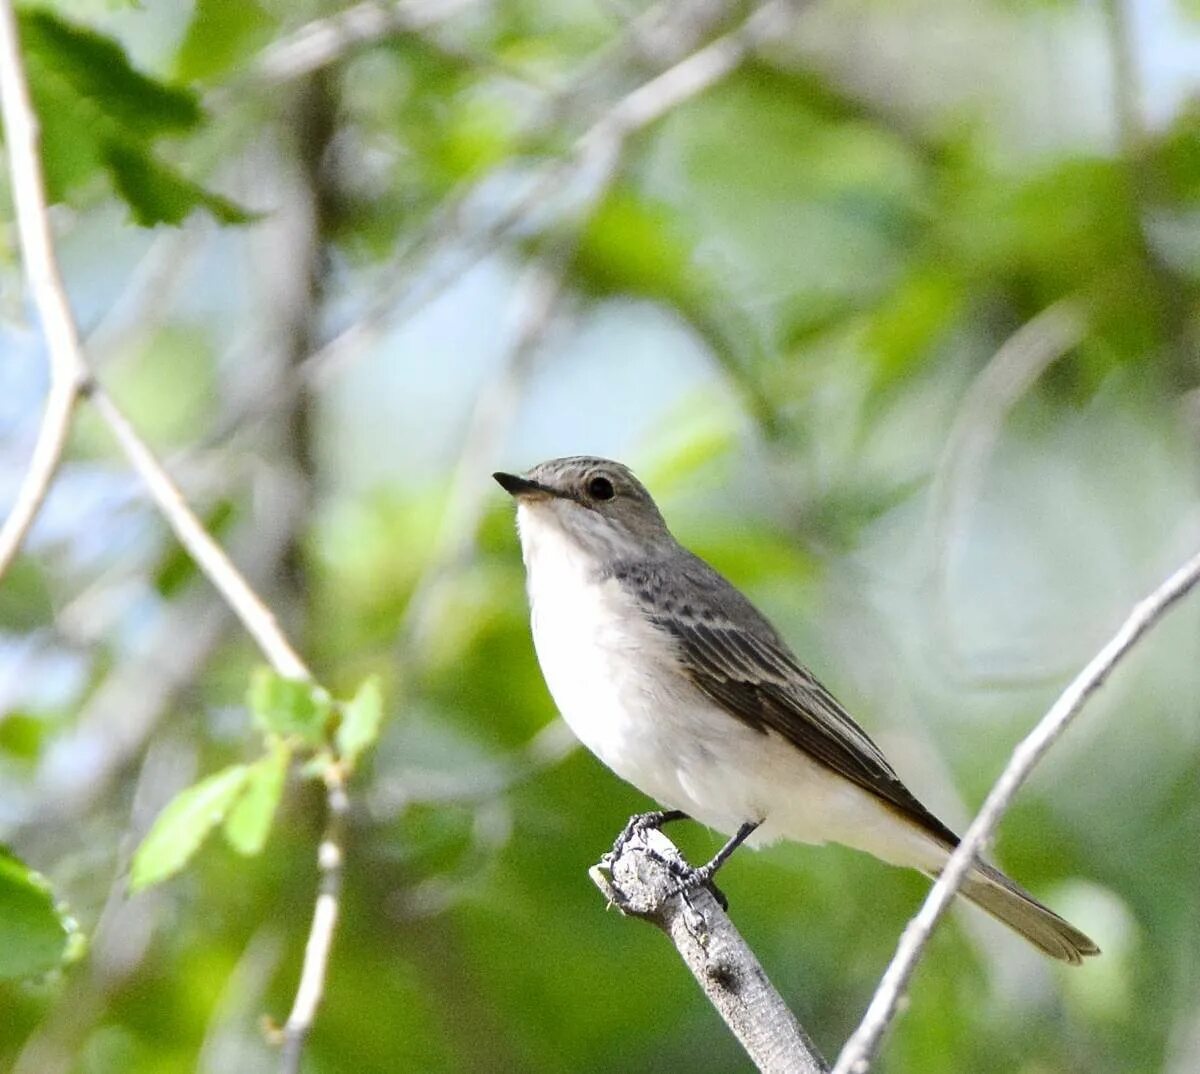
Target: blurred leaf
[
  {"x": 158, "y": 194},
  {"x": 361, "y": 718},
  {"x": 184, "y": 824},
  {"x": 34, "y": 935},
  {"x": 22, "y": 735},
  {"x": 220, "y": 34},
  {"x": 178, "y": 567},
  {"x": 98, "y": 70},
  {"x": 249, "y": 821},
  {"x": 100, "y": 115},
  {"x": 903, "y": 332},
  {"x": 1175, "y": 157},
  {"x": 25, "y": 597},
  {"x": 477, "y": 136},
  {"x": 289, "y": 707},
  {"x": 631, "y": 246}
]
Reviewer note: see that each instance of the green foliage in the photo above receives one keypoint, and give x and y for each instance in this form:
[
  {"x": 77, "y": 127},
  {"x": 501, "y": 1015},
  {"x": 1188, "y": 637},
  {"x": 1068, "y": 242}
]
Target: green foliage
[
  {"x": 221, "y": 33},
  {"x": 100, "y": 115},
  {"x": 184, "y": 824},
  {"x": 157, "y": 193},
  {"x": 361, "y": 718},
  {"x": 35, "y": 935},
  {"x": 244, "y": 798},
  {"x": 248, "y": 822},
  {"x": 774, "y": 315},
  {"x": 289, "y": 708}
]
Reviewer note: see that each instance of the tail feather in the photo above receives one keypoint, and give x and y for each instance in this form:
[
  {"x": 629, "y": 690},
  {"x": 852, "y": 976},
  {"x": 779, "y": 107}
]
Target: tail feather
[{"x": 1011, "y": 904}]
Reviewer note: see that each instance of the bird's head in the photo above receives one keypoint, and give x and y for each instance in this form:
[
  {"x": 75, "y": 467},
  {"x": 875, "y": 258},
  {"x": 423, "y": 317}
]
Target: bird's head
[{"x": 595, "y": 504}]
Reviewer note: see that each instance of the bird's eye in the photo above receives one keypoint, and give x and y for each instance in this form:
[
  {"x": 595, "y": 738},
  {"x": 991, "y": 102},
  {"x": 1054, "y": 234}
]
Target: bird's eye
[{"x": 600, "y": 488}]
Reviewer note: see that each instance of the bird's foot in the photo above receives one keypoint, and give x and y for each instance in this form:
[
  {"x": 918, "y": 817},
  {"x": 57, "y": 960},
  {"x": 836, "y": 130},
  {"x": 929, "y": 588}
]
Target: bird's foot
[
  {"x": 689, "y": 879},
  {"x": 643, "y": 822}
]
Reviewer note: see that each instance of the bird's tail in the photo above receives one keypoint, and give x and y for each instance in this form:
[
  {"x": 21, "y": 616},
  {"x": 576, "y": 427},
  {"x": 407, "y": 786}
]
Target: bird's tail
[{"x": 1008, "y": 902}]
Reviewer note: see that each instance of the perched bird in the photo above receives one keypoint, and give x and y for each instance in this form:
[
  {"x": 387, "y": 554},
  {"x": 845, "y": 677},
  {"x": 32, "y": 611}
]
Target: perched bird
[{"x": 669, "y": 675}]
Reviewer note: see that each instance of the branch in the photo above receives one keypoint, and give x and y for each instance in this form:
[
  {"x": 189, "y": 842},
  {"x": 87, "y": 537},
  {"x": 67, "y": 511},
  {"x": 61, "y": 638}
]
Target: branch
[
  {"x": 720, "y": 960},
  {"x": 321, "y": 42},
  {"x": 69, "y": 366},
  {"x": 320, "y": 936},
  {"x": 1015, "y": 367},
  {"x": 256, "y": 617},
  {"x": 68, "y": 373},
  {"x": 862, "y": 1047}
]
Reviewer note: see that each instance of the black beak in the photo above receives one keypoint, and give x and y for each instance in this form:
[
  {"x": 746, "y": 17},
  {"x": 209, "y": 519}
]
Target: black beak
[{"x": 520, "y": 486}]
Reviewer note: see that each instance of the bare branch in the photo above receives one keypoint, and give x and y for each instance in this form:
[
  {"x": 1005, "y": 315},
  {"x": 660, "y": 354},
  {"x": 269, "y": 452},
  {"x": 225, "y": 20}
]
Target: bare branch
[
  {"x": 324, "y": 41},
  {"x": 637, "y": 882},
  {"x": 69, "y": 366},
  {"x": 256, "y": 617},
  {"x": 1008, "y": 375},
  {"x": 320, "y": 937},
  {"x": 68, "y": 373},
  {"x": 43, "y": 465},
  {"x": 860, "y": 1050}
]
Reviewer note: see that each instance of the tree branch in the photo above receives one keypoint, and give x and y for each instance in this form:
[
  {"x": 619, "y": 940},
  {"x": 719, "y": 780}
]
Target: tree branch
[
  {"x": 68, "y": 373},
  {"x": 1015, "y": 367},
  {"x": 320, "y": 936},
  {"x": 70, "y": 369},
  {"x": 860, "y": 1050},
  {"x": 730, "y": 976},
  {"x": 256, "y": 617},
  {"x": 323, "y": 41},
  {"x": 69, "y": 365}
]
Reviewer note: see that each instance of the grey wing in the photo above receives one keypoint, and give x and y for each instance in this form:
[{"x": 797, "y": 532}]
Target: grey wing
[{"x": 734, "y": 655}]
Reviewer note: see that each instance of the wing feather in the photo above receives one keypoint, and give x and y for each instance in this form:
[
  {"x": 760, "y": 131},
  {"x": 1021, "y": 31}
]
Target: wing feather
[{"x": 737, "y": 658}]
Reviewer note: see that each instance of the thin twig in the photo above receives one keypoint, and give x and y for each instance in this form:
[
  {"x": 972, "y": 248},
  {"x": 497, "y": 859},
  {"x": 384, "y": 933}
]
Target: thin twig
[
  {"x": 324, "y": 41},
  {"x": 66, "y": 356},
  {"x": 861, "y": 1048},
  {"x": 68, "y": 372},
  {"x": 256, "y": 617},
  {"x": 68, "y": 363},
  {"x": 320, "y": 937},
  {"x": 1003, "y": 381},
  {"x": 638, "y": 882}
]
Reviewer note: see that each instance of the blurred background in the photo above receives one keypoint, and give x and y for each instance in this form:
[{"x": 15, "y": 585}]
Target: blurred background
[{"x": 893, "y": 305}]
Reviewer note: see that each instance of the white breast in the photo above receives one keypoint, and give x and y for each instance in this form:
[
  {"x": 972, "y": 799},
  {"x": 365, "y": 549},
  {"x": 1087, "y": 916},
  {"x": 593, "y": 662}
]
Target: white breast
[{"x": 615, "y": 679}]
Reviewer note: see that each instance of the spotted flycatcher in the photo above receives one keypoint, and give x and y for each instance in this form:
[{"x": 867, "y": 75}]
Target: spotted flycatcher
[{"x": 670, "y": 676}]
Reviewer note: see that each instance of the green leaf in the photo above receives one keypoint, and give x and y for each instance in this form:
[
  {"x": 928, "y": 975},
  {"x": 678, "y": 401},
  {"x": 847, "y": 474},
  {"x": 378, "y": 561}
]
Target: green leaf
[
  {"x": 184, "y": 824},
  {"x": 34, "y": 935},
  {"x": 249, "y": 822},
  {"x": 99, "y": 115},
  {"x": 361, "y": 717},
  {"x": 289, "y": 707},
  {"x": 25, "y": 599},
  {"x": 97, "y": 70},
  {"x": 220, "y": 34},
  {"x": 158, "y": 194}
]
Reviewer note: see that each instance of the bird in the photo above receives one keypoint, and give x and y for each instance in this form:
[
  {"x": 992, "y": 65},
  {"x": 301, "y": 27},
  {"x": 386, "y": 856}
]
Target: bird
[{"x": 667, "y": 673}]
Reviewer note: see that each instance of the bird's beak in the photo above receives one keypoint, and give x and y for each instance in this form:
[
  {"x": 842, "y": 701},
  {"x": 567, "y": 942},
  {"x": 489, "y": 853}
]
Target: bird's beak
[{"x": 520, "y": 487}]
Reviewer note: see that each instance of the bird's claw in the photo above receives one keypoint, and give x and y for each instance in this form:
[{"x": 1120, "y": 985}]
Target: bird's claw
[
  {"x": 642, "y": 822},
  {"x": 689, "y": 879}
]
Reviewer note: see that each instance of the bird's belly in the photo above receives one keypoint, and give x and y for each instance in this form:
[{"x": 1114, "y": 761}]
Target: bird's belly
[
  {"x": 612, "y": 676},
  {"x": 616, "y": 681}
]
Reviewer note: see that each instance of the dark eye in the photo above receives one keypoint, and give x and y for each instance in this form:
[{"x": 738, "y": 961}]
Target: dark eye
[{"x": 600, "y": 488}]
